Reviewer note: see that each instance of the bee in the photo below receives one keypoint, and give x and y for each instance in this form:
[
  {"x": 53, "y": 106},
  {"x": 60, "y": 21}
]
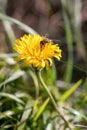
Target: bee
[
  {"x": 44, "y": 41},
  {"x": 47, "y": 40}
]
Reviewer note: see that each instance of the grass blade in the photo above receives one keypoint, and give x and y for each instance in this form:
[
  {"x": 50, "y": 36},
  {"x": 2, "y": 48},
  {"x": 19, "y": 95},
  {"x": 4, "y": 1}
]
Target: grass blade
[
  {"x": 17, "y": 23},
  {"x": 68, "y": 93}
]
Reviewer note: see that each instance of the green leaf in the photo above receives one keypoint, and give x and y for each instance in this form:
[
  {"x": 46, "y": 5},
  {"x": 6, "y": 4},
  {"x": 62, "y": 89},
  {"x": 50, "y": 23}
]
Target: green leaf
[
  {"x": 75, "y": 112},
  {"x": 5, "y": 114},
  {"x": 68, "y": 93},
  {"x": 49, "y": 75},
  {"x": 25, "y": 116},
  {"x": 12, "y": 97},
  {"x": 13, "y": 77},
  {"x": 41, "y": 109}
]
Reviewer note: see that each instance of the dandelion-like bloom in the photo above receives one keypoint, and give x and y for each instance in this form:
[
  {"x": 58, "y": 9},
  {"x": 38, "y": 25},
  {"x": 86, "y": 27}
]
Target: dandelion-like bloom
[{"x": 36, "y": 50}]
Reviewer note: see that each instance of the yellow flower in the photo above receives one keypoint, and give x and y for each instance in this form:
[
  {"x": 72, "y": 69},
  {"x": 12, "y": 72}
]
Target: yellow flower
[{"x": 36, "y": 50}]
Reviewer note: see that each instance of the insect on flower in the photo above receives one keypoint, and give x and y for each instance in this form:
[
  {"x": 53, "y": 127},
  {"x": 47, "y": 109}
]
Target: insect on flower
[
  {"x": 44, "y": 41},
  {"x": 47, "y": 40}
]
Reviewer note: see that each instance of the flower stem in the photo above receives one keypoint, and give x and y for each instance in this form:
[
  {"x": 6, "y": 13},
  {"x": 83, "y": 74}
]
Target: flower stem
[{"x": 53, "y": 101}]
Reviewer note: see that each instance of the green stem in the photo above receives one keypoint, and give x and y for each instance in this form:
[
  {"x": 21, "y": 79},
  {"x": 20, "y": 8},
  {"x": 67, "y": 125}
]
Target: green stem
[{"x": 53, "y": 101}]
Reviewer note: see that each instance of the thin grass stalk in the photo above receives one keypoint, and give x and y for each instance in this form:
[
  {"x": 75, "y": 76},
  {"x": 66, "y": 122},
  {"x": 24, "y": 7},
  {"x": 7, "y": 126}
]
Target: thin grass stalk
[
  {"x": 9, "y": 32},
  {"x": 35, "y": 82},
  {"x": 69, "y": 68}
]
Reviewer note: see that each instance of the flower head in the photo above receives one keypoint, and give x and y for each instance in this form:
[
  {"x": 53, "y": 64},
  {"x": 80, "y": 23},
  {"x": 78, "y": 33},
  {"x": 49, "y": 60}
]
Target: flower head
[{"x": 36, "y": 50}]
